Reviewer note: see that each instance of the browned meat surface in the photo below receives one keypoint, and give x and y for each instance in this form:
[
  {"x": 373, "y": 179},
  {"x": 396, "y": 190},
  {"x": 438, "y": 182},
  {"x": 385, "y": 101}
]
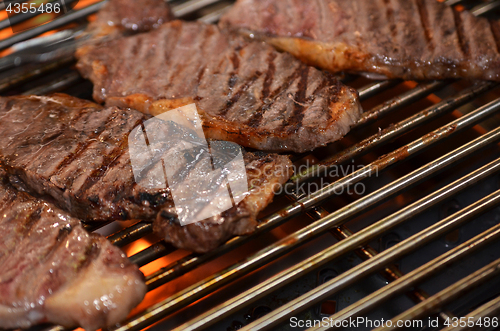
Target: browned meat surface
[
  {"x": 77, "y": 154},
  {"x": 265, "y": 172},
  {"x": 247, "y": 92},
  {"x": 52, "y": 270},
  {"x": 410, "y": 39},
  {"x": 126, "y": 16}
]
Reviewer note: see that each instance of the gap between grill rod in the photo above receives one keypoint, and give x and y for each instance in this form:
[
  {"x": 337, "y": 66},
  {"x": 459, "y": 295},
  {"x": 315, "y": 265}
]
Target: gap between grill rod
[
  {"x": 489, "y": 309},
  {"x": 418, "y": 275},
  {"x": 161, "y": 248},
  {"x": 450, "y": 293},
  {"x": 405, "y": 99}
]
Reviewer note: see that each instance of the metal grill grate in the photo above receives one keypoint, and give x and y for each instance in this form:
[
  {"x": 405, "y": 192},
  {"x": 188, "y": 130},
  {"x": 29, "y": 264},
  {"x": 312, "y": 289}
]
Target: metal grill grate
[{"x": 410, "y": 126}]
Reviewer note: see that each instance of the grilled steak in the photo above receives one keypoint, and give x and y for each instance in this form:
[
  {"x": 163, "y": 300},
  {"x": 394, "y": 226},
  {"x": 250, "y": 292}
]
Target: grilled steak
[
  {"x": 409, "y": 39},
  {"x": 128, "y": 17},
  {"x": 247, "y": 92},
  {"x": 52, "y": 270},
  {"x": 265, "y": 173},
  {"x": 77, "y": 154}
]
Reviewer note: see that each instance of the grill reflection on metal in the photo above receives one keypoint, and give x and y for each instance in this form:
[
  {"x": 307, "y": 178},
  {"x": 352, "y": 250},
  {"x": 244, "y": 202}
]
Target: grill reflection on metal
[
  {"x": 323, "y": 221},
  {"x": 283, "y": 246}
]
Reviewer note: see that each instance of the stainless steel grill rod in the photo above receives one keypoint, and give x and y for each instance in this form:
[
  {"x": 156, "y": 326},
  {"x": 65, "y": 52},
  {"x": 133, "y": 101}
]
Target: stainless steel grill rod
[
  {"x": 485, "y": 8},
  {"x": 453, "y": 2},
  {"x": 153, "y": 252},
  {"x": 375, "y": 88},
  {"x": 343, "y": 247},
  {"x": 415, "y": 277},
  {"x": 379, "y": 261},
  {"x": 489, "y": 309},
  {"x": 404, "y": 99},
  {"x": 450, "y": 293},
  {"x": 285, "y": 245},
  {"x": 191, "y": 6}
]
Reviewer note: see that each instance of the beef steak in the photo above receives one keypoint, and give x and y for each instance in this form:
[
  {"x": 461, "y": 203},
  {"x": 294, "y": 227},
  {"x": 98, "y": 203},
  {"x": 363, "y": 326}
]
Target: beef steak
[
  {"x": 409, "y": 39},
  {"x": 52, "y": 270},
  {"x": 77, "y": 154},
  {"x": 246, "y": 91}
]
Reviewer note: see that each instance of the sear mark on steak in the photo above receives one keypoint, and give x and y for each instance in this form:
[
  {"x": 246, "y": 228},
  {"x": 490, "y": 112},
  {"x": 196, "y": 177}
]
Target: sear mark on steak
[
  {"x": 246, "y": 91},
  {"x": 76, "y": 153},
  {"x": 409, "y": 39},
  {"x": 52, "y": 270},
  {"x": 265, "y": 173}
]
